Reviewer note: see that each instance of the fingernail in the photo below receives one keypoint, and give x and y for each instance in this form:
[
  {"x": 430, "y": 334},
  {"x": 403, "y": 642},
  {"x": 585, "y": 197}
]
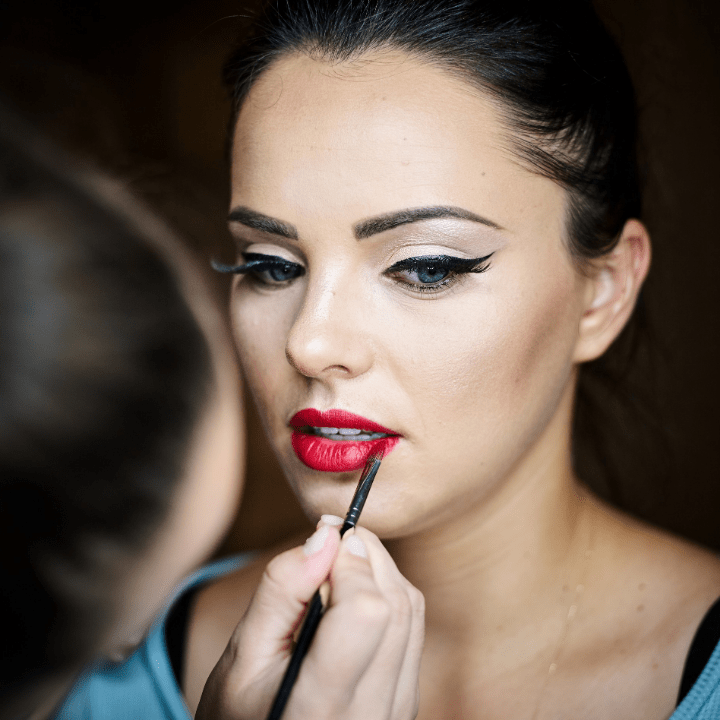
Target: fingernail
[
  {"x": 355, "y": 546},
  {"x": 316, "y": 541},
  {"x": 333, "y": 520}
]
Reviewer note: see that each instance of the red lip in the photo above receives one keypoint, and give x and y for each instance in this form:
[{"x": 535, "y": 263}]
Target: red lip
[
  {"x": 337, "y": 455},
  {"x": 336, "y": 418}
]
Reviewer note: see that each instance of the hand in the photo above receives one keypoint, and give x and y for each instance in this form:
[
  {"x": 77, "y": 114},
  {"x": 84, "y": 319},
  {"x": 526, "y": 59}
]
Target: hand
[{"x": 365, "y": 658}]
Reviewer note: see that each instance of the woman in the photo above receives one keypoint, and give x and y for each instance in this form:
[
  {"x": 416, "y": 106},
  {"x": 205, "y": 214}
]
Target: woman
[
  {"x": 435, "y": 209},
  {"x": 121, "y": 441}
]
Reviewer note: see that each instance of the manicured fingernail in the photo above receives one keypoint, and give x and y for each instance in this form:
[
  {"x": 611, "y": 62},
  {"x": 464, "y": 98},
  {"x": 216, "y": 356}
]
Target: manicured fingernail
[
  {"x": 316, "y": 541},
  {"x": 333, "y": 520},
  {"x": 355, "y": 546}
]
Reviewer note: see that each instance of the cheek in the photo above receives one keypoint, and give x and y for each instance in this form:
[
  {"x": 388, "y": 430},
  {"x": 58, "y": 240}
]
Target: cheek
[
  {"x": 261, "y": 324},
  {"x": 494, "y": 364},
  {"x": 483, "y": 382}
]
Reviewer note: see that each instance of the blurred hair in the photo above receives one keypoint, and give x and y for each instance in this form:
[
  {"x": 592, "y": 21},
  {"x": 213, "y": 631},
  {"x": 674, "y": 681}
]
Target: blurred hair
[
  {"x": 104, "y": 371},
  {"x": 568, "y": 104}
]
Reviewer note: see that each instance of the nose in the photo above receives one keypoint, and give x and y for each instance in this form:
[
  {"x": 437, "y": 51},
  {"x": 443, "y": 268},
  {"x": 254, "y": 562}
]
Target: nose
[{"x": 331, "y": 337}]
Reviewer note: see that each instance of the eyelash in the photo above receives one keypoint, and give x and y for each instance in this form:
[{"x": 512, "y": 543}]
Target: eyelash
[
  {"x": 256, "y": 263},
  {"x": 453, "y": 266}
]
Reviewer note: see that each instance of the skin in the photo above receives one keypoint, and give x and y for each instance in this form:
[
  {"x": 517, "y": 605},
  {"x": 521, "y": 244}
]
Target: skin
[{"x": 541, "y": 601}]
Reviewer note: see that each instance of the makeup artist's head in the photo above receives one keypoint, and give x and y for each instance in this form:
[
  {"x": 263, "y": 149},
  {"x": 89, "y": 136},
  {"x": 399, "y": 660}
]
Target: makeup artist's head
[
  {"x": 371, "y": 135},
  {"x": 120, "y": 434}
]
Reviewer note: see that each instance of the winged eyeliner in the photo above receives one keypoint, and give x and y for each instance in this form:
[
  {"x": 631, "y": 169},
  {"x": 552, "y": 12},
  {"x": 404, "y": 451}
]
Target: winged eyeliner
[{"x": 258, "y": 262}]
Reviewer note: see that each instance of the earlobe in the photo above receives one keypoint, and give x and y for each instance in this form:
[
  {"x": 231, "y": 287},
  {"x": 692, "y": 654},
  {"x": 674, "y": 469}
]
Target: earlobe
[{"x": 613, "y": 290}]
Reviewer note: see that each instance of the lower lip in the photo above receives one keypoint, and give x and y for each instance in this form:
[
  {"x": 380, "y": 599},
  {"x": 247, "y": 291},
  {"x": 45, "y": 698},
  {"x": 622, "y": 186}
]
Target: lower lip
[{"x": 337, "y": 455}]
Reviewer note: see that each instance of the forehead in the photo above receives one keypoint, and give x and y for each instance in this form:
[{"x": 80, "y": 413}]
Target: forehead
[{"x": 371, "y": 136}]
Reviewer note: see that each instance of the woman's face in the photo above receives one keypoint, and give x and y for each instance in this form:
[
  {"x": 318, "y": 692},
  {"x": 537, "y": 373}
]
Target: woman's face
[{"x": 408, "y": 271}]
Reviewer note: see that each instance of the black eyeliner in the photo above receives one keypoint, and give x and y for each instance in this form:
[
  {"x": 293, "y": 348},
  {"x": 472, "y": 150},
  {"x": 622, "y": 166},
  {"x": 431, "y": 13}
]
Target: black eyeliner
[{"x": 444, "y": 262}]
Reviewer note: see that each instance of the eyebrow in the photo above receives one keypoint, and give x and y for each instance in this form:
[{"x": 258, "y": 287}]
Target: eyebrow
[
  {"x": 365, "y": 228},
  {"x": 265, "y": 223},
  {"x": 379, "y": 224}
]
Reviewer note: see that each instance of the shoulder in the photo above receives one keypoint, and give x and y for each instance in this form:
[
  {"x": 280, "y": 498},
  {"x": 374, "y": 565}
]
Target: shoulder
[
  {"x": 646, "y": 561},
  {"x": 216, "y": 611},
  {"x": 664, "y": 583},
  {"x": 645, "y": 598}
]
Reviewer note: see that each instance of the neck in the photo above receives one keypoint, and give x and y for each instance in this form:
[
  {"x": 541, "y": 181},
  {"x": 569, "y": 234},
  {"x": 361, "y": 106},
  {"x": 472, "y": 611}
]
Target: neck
[{"x": 513, "y": 557}]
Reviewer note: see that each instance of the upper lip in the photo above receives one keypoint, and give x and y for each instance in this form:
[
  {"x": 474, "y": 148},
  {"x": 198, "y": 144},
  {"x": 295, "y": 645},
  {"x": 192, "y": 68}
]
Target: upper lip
[{"x": 310, "y": 417}]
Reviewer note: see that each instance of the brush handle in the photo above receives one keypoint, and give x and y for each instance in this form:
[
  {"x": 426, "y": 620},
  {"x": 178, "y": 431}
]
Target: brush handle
[{"x": 309, "y": 628}]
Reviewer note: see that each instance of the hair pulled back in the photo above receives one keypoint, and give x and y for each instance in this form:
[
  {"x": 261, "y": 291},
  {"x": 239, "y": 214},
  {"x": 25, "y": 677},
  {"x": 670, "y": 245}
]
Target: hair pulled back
[{"x": 104, "y": 370}]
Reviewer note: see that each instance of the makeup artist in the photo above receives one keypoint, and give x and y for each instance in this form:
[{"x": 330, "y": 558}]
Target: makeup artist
[{"x": 121, "y": 445}]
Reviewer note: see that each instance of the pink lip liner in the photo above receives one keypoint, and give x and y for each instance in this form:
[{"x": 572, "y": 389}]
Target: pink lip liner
[{"x": 315, "y": 611}]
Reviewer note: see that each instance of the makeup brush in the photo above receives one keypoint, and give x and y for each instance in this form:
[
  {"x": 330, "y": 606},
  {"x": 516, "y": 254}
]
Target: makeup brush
[{"x": 315, "y": 610}]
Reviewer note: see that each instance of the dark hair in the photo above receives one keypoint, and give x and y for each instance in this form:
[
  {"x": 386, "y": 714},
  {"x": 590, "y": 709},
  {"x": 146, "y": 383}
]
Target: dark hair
[
  {"x": 104, "y": 371},
  {"x": 567, "y": 101}
]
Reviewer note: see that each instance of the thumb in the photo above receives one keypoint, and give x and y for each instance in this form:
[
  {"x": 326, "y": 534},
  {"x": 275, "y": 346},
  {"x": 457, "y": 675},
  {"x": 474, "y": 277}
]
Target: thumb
[{"x": 286, "y": 587}]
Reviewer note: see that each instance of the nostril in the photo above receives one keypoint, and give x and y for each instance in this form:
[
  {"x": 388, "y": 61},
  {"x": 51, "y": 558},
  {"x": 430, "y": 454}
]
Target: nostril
[
  {"x": 312, "y": 368},
  {"x": 338, "y": 368},
  {"x": 290, "y": 358},
  {"x": 316, "y": 354}
]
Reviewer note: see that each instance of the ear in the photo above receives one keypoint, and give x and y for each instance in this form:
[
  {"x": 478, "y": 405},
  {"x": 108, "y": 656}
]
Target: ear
[{"x": 613, "y": 287}]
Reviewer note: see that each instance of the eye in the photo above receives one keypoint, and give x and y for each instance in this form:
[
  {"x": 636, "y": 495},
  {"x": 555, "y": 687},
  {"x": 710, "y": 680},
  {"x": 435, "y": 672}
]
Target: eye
[
  {"x": 432, "y": 273},
  {"x": 279, "y": 272},
  {"x": 265, "y": 269}
]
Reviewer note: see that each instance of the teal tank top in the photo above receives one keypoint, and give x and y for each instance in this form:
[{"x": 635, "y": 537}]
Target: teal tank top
[{"x": 143, "y": 687}]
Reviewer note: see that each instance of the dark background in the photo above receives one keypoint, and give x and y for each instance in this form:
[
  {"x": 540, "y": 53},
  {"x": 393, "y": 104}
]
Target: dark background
[{"x": 137, "y": 89}]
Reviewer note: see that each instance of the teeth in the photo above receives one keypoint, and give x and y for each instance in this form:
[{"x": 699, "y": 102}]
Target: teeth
[{"x": 340, "y": 434}]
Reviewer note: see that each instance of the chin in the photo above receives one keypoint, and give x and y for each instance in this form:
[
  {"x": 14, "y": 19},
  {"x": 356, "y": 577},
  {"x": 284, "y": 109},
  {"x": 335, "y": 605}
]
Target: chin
[
  {"x": 387, "y": 519},
  {"x": 393, "y": 509}
]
